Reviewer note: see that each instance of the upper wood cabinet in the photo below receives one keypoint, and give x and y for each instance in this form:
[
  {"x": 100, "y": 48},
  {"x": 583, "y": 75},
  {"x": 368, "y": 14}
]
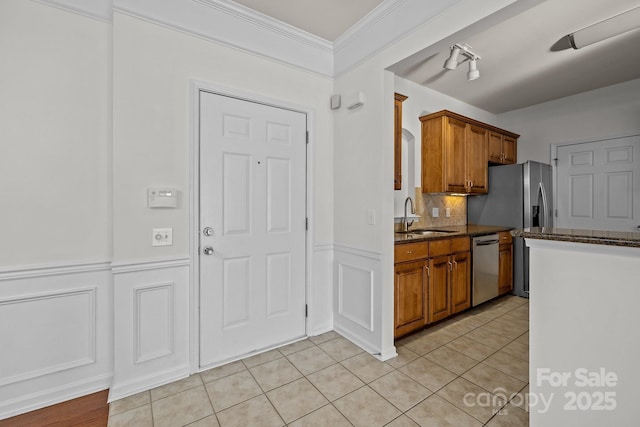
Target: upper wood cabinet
[
  {"x": 456, "y": 150},
  {"x": 502, "y": 148},
  {"x": 397, "y": 141},
  {"x": 454, "y": 154}
]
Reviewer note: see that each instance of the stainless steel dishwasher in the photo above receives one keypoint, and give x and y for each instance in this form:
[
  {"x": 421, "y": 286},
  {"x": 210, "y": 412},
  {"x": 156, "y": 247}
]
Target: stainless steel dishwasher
[{"x": 485, "y": 268}]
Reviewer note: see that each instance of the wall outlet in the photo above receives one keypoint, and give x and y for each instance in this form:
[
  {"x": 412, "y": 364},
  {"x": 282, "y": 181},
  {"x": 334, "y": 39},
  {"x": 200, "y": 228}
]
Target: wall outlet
[
  {"x": 447, "y": 212},
  {"x": 435, "y": 212},
  {"x": 162, "y": 237}
]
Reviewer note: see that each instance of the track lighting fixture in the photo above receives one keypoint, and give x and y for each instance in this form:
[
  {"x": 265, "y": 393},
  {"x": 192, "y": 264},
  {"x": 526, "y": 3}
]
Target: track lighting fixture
[
  {"x": 602, "y": 30},
  {"x": 465, "y": 50},
  {"x": 473, "y": 70},
  {"x": 452, "y": 62}
]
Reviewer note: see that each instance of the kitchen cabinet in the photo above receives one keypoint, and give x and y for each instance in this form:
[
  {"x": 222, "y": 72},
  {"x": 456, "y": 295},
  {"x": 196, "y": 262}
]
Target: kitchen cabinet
[
  {"x": 449, "y": 280},
  {"x": 410, "y": 287},
  {"x": 454, "y": 155},
  {"x": 505, "y": 263},
  {"x": 455, "y": 152},
  {"x": 397, "y": 141},
  {"x": 502, "y": 148}
]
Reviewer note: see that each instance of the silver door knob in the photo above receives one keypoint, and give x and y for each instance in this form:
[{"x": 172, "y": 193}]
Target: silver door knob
[
  {"x": 208, "y": 250},
  {"x": 208, "y": 231}
]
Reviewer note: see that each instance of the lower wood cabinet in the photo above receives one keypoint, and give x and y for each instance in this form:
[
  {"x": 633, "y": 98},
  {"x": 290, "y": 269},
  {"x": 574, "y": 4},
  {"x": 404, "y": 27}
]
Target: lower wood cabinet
[
  {"x": 439, "y": 289},
  {"x": 410, "y": 296},
  {"x": 460, "y": 282},
  {"x": 505, "y": 263},
  {"x": 432, "y": 281}
]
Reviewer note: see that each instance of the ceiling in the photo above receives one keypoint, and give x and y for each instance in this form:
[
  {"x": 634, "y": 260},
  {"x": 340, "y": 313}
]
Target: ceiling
[
  {"x": 327, "y": 19},
  {"x": 518, "y": 67}
]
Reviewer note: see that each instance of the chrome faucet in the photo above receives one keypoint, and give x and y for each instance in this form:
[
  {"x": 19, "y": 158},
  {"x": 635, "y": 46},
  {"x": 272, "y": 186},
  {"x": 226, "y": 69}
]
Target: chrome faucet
[{"x": 406, "y": 224}]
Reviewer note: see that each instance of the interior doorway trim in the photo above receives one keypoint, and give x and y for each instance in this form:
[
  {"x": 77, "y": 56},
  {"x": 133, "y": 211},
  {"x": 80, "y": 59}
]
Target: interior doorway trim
[{"x": 197, "y": 86}]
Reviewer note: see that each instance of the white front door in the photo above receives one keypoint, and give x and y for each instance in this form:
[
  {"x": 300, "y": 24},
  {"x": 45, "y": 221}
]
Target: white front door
[
  {"x": 252, "y": 202},
  {"x": 599, "y": 185}
]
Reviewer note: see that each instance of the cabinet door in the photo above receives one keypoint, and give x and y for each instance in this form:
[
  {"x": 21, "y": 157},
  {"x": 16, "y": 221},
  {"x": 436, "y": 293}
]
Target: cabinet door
[
  {"x": 495, "y": 147},
  {"x": 410, "y": 307},
  {"x": 455, "y": 155},
  {"x": 439, "y": 288},
  {"x": 477, "y": 138},
  {"x": 461, "y": 282},
  {"x": 509, "y": 149},
  {"x": 397, "y": 141},
  {"x": 505, "y": 269}
]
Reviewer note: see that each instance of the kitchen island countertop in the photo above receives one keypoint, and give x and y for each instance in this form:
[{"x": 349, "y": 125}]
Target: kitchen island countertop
[{"x": 597, "y": 237}]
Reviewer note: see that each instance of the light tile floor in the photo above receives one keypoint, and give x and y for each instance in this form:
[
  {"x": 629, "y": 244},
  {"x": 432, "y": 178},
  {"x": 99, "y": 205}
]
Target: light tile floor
[{"x": 468, "y": 371}]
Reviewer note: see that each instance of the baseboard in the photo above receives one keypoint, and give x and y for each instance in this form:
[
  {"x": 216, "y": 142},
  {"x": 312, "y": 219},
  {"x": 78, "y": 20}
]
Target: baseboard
[{"x": 51, "y": 396}]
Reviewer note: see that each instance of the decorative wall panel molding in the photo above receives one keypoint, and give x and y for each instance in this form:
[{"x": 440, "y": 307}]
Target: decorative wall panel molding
[
  {"x": 357, "y": 296},
  {"x": 154, "y": 322},
  {"x": 56, "y": 334},
  {"x": 46, "y": 333}
]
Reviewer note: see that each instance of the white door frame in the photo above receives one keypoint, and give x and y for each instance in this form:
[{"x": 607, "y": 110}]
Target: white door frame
[
  {"x": 554, "y": 162},
  {"x": 196, "y": 86}
]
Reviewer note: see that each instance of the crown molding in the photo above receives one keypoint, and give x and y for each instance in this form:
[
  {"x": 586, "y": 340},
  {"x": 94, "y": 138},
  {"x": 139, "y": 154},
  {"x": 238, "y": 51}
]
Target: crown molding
[
  {"x": 96, "y": 9},
  {"x": 235, "y": 25},
  {"x": 260, "y": 19},
  {"x": 230, "y": 24}
]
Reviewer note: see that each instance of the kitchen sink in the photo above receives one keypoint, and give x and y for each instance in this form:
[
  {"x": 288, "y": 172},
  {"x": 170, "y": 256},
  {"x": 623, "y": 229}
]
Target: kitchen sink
[{"x": 427, "y": 232}]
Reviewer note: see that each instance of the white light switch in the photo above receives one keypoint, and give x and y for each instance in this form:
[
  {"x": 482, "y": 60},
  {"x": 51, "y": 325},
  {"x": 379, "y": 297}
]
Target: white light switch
[
  {"x": 447, "y": 212},
  {"x": 435, "y": 212},
  {"x": 162, "y": 237},
  {"x": 371, "y": 216}
]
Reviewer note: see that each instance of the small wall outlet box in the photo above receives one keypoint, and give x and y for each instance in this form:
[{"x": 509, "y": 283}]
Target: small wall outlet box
[
  {"x": 447, "y": 212},
  {"x": 435, "y": 212}
]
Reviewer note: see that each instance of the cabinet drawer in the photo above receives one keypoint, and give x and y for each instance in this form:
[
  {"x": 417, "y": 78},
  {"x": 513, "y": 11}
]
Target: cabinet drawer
[
  {"x": 411, "y": 251},
  {"x": 460, "y": 244},
  {"x": 440, "y": 247},
  {"x": 505, "y": 237}
]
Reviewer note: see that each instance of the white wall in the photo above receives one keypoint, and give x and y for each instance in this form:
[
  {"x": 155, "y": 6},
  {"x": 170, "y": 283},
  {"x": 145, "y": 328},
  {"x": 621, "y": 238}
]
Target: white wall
[
  {"x": 55, "y": 203},
  {"x": 55, "y": 130},
  {"x": 599, "y": 114}
]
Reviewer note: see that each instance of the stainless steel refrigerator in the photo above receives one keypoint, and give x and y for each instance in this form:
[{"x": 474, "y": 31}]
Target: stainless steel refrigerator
[{"x": 519, "y": 197}]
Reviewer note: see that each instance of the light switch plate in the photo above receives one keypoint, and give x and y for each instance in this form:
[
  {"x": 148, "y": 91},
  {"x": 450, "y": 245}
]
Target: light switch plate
[
  {"x": 435, "y": 212},
  {"x": 162, "y": 237},
  {"x": 447, "y": 212}
]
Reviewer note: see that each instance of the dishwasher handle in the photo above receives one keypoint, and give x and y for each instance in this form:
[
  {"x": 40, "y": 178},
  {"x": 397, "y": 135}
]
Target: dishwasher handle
[{"x": 487, "y": 242}]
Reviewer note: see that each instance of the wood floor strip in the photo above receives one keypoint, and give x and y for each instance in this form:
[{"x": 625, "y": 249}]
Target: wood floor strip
[{"x": 87, "y": 411}]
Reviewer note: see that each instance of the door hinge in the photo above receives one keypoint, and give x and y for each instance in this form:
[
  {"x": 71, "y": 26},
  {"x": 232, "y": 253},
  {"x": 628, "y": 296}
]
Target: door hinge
[
  {"x": 306, "y": 223},
  {"x": 307, "y": 136},
  {"x": 306, "y": 310}
]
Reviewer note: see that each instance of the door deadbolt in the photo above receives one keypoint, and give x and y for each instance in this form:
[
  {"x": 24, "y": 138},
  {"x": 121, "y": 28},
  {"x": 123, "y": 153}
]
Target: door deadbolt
[
  {"x": 208, "y": 231},
  {"x": 208, "y": 250}
]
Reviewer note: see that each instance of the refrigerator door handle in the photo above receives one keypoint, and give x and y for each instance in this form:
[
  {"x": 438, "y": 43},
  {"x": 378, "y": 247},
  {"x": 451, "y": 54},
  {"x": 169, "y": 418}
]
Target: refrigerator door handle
[{"x": 545, "y": 205}]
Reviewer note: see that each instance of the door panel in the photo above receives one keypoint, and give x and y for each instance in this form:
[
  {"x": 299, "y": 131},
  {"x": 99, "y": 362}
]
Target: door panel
[
  {"x": 599, "y": 185},
  {"x": 455, "y": 156},
  {"x": 253, "y": 195},
  {"x": 477, "y": 158},
  {"x": 439, "y": 288}
]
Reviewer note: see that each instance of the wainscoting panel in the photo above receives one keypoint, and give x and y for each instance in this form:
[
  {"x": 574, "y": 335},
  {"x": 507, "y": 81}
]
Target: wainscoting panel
[
  {"x": 357, "y": 297},
  {"x": 151, "y": 318},
  {"x": 55, "y": 333}
]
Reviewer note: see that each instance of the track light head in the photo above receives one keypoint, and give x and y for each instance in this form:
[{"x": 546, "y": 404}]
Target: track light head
[
  {"x": 473, "y": 70},
  {"x": 465, "y": 50},
  {"x": 452, "y": 62}
]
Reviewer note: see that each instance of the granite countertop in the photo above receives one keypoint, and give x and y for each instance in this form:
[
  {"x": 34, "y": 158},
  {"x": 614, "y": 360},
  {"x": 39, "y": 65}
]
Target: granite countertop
[
  {"x": 596, "y": 237},
  {"x": 470, "y": 230}
]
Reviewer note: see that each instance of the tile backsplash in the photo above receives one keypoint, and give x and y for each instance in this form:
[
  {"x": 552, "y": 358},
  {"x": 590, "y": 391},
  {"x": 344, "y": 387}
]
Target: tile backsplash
[{"x": 425, "y": 202}]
